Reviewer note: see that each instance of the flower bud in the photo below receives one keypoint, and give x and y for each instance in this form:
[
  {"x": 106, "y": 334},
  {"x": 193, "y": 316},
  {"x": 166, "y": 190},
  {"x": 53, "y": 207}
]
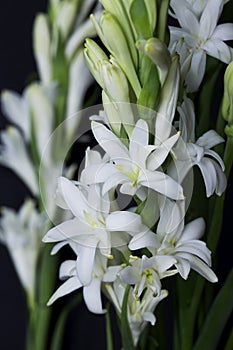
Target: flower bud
[
  {"x": 114, "y": 82},
  {"x": 41, "y": 112},
  {"x": 94, "y": 56},
  {"x": 41, "y": 45},
  {"x": 118, "y": 10},
  {"x": 227, "y": 104},
  {"x": 65, "y": 17},
  {"x": 113, "y": 38},
  {"x": 119, "y": 113},
  {"x": 158, "y": 52},
  {"x": 168, "y": 101}
]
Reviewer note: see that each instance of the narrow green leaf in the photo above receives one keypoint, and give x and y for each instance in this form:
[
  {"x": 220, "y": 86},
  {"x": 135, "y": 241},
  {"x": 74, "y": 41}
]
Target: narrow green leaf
[
  {"x": 217, "y": 317},
  {"x": 229, "y": 344},
  {"x": 57, "y": 339},
  {"x": 126, "y": 334}
]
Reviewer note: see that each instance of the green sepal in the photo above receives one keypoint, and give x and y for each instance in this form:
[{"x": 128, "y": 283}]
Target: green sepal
[
  {"x": 126, "y": 334},
  {"x": 140, "y": 19}
]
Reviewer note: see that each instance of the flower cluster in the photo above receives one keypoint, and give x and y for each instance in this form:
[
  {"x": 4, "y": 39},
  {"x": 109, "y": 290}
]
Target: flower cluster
[
  {"x": 129, "y": 227},
  {"x": 130, "y": 216}
]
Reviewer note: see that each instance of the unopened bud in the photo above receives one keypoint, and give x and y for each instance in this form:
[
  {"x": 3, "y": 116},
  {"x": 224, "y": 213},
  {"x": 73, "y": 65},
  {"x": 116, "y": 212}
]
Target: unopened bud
[
  {"x": 158, "y": 52},
  {"x": 113, "y": 38},
  {"x": 42, "y": 45},
  {"x": 227, "y": 104}
]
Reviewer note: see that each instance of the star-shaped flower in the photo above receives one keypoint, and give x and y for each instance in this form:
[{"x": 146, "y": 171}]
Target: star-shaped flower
[
  {"x": 199, "y": 36},
  {"x": 135, "y": 167}
]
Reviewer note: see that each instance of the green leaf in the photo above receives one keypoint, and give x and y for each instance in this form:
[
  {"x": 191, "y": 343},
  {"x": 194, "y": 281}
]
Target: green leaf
[
  {"x": 217, "y": 317},
  {"x": 126, "y": 334},
  {"x": 57, "y": 339},
  {"x": 140, "y": 19}
]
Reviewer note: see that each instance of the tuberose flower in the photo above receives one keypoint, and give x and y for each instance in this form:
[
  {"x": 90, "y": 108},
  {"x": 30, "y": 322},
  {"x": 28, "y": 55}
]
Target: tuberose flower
[
  {"x": 135, "y": 167},
  {"x": 93, "y": 227},
  {"x": 199, "y": 36}
]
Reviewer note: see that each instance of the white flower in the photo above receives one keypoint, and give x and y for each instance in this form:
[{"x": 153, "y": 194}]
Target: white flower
[
  {"x": 22, "y": 233},
  {"x": 201, "y": 36},
  {"x": 201, "y": 154},
  {"x": 14, "y": 155},
  {"x": 93, "y": 227},
  {"x": 140, "y": 310},
  {"x": 173, "y": 238},
  {"x": 133, "y": 167},
  {"x": 147, "y": 272},
  {"x": 92, "y": 291}
]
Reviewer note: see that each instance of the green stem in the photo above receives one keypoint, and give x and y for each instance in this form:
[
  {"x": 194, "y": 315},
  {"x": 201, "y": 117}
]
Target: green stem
[
  {"x": 40, "y": 314},
  {"x": 108, "y": 330}
]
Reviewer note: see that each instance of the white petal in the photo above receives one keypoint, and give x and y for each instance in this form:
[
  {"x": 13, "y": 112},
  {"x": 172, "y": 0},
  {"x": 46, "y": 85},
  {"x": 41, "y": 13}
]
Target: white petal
[
  {"x": 193, "y": 230},
  {"x": 209, "y": 139},
  {"x": 73, "y": 197},
  {"x": 69, "y": 286},
  {"x": 195, "y": 247},
  {"x": 109, "y": 142},
  {"x": 196, "y": 72},
  {"x": 157, "y": 157},
  {"x": 129, "y": 275},
  {"x": 144, "y": 240},
  {"x": 111, "y": 273},
  {"x": 67, "y": 269},
  {"x": 217, "y": 157},
  {"x": 85, "y": 262},
  {"x": 97, "y": 173},
  {"x": 124, "y": 221},
  {"x": 223, "y": 32},
  {"x": 92, "y": 296},
  {"x": 218, "y": 49},
  {"x": 209, "y": 175},
  {"x": 66, "y": 230},
  {"x": 57, "y": 247},
  {"x": 163, "y": 184},
  {"x": 200, "y": 267},
  {"x": 183, "y": 267},
  {"x": 221, "y": 180},
  {"x": 149, "y": 317},
  {"x": 114, "y": 180},
  {"x": 16, "y": 110}
]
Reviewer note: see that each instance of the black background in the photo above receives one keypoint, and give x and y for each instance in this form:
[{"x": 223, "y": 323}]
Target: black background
[{"x": 84, "y": 330}]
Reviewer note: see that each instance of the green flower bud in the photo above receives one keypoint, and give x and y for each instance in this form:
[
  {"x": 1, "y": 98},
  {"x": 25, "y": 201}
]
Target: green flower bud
[
  {"x": 41, "y": 46},
  {"x": 141, "y": 19},
  {"x": 119, "y": 113},
  {"x": 113, "y": 38},
  {"x": 227, "y": 104},
  {"x": 114, "y": 82},
  {"x": 158, "y": 52},
  {"x": 65, "y": 14},
  {"x": 168, "y": 101},
  {"x": 117, "y": 9},
  {"x": 229, "y": 130},
  {"x": 94, "y": 56}
]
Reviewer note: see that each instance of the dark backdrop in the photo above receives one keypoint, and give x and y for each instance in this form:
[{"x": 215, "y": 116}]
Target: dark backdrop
[{"x": 84, "y": 330}]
